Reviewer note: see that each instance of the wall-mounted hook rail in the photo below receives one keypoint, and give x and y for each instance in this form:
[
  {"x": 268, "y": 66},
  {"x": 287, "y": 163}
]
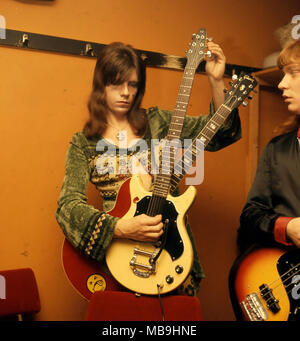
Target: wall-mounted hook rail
[{"x": 35, "y": 41}]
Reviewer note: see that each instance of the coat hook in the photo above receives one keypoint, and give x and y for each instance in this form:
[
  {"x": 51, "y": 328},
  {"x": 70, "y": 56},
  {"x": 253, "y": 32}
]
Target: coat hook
[
  {"x": 144, "y": 57},
  {"x": 24, "y": 42},
  {"x": 89, "y": 51}
]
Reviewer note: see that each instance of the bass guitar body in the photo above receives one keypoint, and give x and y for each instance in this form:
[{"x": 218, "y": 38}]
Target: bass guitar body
[
  {"x": 267, "y": 285},
  {"x": 152, "y": 268}
]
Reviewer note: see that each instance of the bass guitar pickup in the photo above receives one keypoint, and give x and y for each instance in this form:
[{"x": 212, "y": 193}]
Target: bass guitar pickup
[{"x": 268, "y": 296}]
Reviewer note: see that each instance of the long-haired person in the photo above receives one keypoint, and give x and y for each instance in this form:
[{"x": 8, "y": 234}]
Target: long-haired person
[
  {"x": 272, "y": 211},
  {"x": 117, "y": 121}
]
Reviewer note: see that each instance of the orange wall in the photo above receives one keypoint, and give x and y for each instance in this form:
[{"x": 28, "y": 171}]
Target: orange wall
[{"x": 43, "y": 102}]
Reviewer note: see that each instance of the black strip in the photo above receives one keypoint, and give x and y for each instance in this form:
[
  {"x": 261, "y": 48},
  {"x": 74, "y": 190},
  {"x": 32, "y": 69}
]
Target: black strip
[{"x": 28, "y": 40}]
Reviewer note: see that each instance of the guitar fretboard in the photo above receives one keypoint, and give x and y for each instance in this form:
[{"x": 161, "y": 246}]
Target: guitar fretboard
[
  {"x": 193, "y": 151},
  {"x": 162, "y": 181}
]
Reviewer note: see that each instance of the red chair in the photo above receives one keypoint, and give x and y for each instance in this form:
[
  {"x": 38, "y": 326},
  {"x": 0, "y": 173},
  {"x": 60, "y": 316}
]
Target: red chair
[
  {"x": 126, "y": 306},
  {"x": 18, "y": 294}
]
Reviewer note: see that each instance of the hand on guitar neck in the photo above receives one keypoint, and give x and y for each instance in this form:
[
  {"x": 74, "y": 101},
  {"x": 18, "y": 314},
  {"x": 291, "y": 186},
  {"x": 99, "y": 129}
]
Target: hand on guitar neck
[
  {"x": 215, "y": 68},
  {"x": 293, "y": 231}
]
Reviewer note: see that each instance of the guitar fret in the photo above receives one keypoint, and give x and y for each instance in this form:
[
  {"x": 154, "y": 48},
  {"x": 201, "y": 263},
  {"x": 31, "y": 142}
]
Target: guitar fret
[
  {"x": 184, "y": 103},
  {"x": 174, "y": 123},
  {"x": 177, "y": 109}
]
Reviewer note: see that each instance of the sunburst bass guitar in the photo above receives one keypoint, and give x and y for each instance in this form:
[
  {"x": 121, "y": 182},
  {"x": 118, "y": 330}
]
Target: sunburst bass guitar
[{"x": 265, "y": 285}]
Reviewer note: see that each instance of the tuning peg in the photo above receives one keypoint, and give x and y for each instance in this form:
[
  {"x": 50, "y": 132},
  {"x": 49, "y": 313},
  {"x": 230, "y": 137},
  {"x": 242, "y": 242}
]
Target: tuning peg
[
  {"x": 225, "y": 90},
  {"x": 244, "y": 104},
  {"x": 250, "y": 97},
  {"x": 234, "y": 77},
  {"x": 230, "y": 83},
  {"x": 208, "y": 54}
]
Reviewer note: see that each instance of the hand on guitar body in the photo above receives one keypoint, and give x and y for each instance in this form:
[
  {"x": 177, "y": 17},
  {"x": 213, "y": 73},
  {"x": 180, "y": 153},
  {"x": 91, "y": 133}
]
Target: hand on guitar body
[
  {"x": 141, "y": 228},
  {"x": 293, "y": 231}
]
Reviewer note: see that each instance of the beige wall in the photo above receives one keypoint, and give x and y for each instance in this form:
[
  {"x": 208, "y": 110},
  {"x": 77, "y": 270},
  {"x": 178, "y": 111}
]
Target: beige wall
[{"x": 43, "y": 102}]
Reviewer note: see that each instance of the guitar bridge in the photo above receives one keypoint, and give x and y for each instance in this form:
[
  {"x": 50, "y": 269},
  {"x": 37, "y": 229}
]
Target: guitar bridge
[
  {"x": 253, "y": 308},
  {"x": 137, "y": 267}
]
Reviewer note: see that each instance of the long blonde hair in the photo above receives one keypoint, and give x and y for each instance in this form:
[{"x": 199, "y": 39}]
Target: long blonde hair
[{"x": 290, "y": 54}]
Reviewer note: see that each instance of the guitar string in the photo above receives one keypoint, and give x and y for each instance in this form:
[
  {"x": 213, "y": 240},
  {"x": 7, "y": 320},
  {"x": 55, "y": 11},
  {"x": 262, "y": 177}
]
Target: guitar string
[
  {"x": 291, "y": 282},
  {"x": 285, "y": 286},
  {"x": 282, "y": 281},
  {"x": 222, "y": 111},
  {"x": 155, "y": 201},
  {"x": 286, "y": 273}
]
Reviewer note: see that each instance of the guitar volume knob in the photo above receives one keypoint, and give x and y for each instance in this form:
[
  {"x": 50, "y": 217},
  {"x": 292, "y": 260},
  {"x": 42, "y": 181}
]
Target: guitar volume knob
[
  {"x": 169, "y": 279},
  {"x": 179, "y": 269}
]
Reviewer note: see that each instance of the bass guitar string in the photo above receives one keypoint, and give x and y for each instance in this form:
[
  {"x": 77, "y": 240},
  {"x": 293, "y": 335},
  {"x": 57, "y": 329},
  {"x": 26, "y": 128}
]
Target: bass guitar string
[{"x": 281, "y": 280}]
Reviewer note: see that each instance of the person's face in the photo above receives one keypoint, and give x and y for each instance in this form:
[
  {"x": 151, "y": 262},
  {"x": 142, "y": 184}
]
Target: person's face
[
  {"x": 290, "y": 86},
  {"x": 120, "y": 97}
]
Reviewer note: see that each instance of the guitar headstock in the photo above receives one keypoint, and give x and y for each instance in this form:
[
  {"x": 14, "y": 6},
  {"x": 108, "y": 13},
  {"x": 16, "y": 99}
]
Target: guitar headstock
[
  {"x": 240, "y": 90},
  {"x": 196, "y": 52}
]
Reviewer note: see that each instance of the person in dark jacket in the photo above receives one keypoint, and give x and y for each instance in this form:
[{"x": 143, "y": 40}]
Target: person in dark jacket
[{"x": 271, "y": 214}]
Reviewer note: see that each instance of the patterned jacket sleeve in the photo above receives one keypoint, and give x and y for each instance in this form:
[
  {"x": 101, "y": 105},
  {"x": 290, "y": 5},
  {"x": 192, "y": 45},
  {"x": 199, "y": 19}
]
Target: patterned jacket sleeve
[{"x": 88, "y": 229}]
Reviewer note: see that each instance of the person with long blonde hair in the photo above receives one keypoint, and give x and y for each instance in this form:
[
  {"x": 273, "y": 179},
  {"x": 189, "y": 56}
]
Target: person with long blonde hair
[{"x": 271, "y": 214}]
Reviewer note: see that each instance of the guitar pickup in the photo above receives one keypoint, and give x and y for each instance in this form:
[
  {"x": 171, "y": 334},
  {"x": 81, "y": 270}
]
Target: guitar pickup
[{"x": 267, "y": 294}]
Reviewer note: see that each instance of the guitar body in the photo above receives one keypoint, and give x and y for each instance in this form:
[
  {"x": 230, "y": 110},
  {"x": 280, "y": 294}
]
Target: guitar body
[
  {"x": 264, "y": 285},
  {"x": 129, "y": 260},
  {"x": 88, "y": 276}
]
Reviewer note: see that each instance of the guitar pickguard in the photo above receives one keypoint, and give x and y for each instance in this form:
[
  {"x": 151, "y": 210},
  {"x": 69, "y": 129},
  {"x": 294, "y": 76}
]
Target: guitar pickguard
[
  {"x": 288, "y": 267},
  {"x": 173, "y": 245}
]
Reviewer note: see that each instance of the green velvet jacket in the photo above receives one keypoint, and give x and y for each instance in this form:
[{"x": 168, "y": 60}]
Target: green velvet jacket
[{"x": 91, "y": 231}]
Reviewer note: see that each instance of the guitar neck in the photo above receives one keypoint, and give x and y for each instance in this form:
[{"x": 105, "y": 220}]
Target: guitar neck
[
  {"x": 162, "y": 180},
  {"x": 193, "y": 151},
  {"x": 195, "y": 54},
  {"x": 182, "y": 101}
]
